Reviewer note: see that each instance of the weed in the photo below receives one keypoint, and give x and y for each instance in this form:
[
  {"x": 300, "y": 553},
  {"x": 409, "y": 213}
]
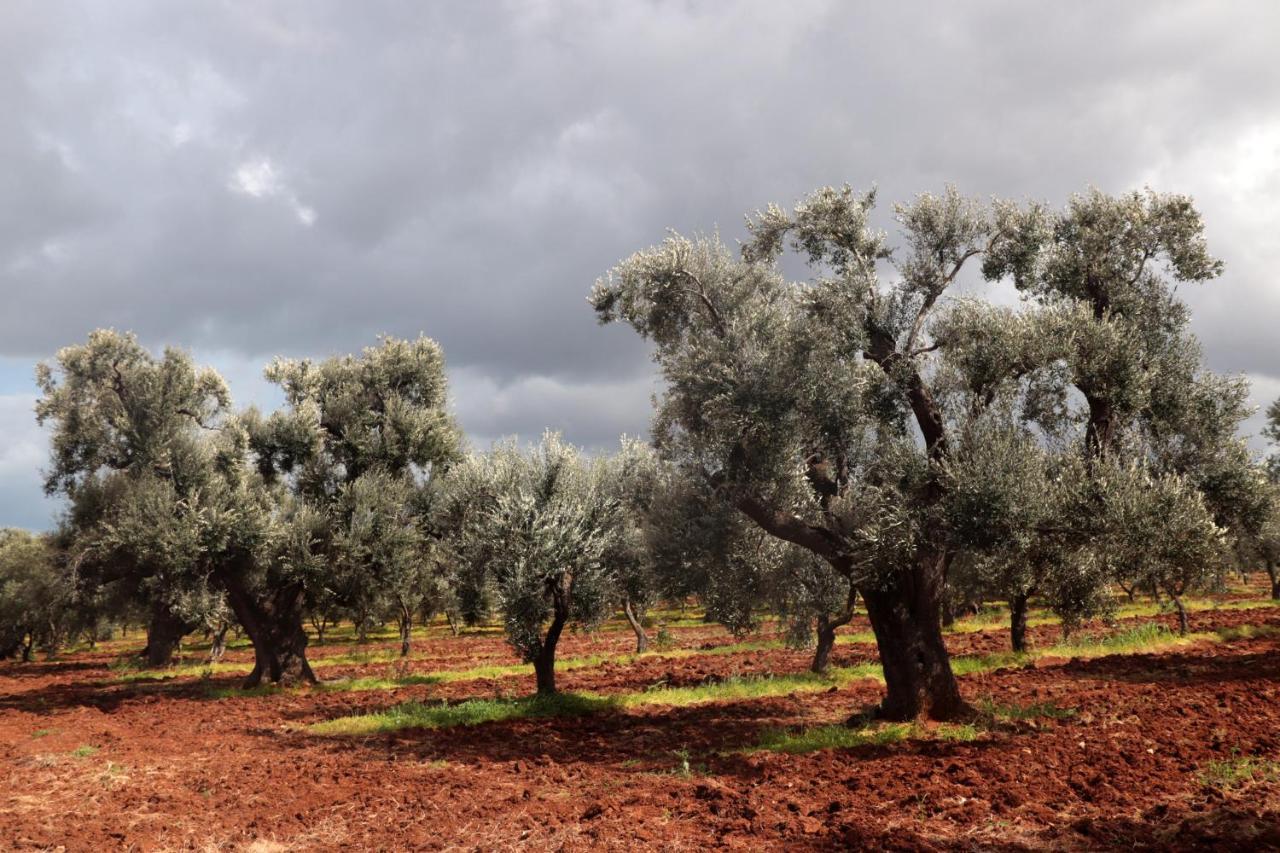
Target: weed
[
  {"x": 1238, "y": 772},
  {"x": 83, "y": 751}
]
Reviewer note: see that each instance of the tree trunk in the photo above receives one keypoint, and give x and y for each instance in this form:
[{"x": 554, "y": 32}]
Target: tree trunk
[
  {"x": 218, "y": 647},
  {"x": 544, "y": 663},
  {"x": 27, "y": 647},
  {"x": 274, "y": 625},
  {"x": 406, "y": 629},
  {"x": 917, "y": 668},
  {"x": 827, "y": 633},
  {"x": 642, "y": 641},
  {"x": 1130, "y": 591},
  {"x": 452, "y": 619},
  {"x": 164, "y": 632},
  {"x": 1018, "y": 622},
  {"x": 1273, "y": 573},
  {"x": 948, "y": 612},
  {"x": 1183, "y": 624}
]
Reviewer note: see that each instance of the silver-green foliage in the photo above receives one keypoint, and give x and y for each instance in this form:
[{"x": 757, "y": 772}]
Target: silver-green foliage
[{"x": 538, "y": 526}]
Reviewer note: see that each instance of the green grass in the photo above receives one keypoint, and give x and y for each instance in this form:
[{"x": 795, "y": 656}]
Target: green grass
[
  {"x": 194, "y": 670},
  {"x": 755, "y": 687},
  {"x": 411, "y": 715},
  {"x": 84, "y": 751},
  {"x": 796, "y": 741},
  {"x": 1238, "y": 772},
  {"x": 1037, "y": 710},
  {"x": 472, "y": 712}
]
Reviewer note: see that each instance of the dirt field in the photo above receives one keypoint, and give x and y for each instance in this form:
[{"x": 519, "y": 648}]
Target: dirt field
[{"x": 1173, "y": 749}]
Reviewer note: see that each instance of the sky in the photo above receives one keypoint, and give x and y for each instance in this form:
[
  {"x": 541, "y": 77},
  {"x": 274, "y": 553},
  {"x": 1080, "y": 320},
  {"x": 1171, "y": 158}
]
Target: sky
[{"x": 251, "y": 179}]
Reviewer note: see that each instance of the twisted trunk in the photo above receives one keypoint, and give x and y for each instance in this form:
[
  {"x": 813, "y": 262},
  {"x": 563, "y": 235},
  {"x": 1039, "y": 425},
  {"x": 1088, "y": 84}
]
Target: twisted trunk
[
  {"x": 642, "y": 641},
  {"x": 544, "y": 662},
  {"x": 1273, "y": 574},
  {"x": 917, "y": 667},
  {"x": 827, "y": 633},
  {"x": 218, "y": 647},
  {"x": 274, "y": 625},
  {"x": 164, "y": 633}
]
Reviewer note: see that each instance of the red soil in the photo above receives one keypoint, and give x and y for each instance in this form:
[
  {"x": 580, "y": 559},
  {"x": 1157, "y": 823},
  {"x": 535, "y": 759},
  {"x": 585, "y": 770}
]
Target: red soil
[{"x": 176, "y": 770}]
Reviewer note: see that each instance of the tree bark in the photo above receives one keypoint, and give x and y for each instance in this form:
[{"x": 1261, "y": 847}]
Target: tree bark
[
  {"x": 406, "y": 629},
  {"x": 544, "y": 663},
  {"x": 1100, "y": 434},
  {"x": 917, "y": 668},
  {"x": 1183, "y": 623},
  {"x": 274, "y": 625},
  {"x": 452, "y": 619},
  {"x": 1018, "y": 622},
  {"x": 642, "y": 641},
  {"x": 827, "y": 633},
  {"x": 164, "y": 632},
  {"x": 218, "y": 647},
  {"x": 1274, "y": 575}
]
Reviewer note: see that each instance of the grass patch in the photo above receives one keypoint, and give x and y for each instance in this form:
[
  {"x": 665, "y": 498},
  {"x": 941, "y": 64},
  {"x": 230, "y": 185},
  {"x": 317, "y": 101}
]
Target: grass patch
[
  {"x": 242, "y": 692},
  {"x": 795, "y": 741},
  {"x": 415, "y": 715},
  {"x": 194, "y": 670},
  {"x": 738, "y": 688},
  {"x": 1034, "y": 711},
  {"x": 1238, "y": 772},
  {"x": 83, "y": 751}
]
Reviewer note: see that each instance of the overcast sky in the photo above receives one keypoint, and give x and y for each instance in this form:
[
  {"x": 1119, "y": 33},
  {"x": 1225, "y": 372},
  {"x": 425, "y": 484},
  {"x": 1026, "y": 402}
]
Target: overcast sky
[{"x": 247, "y": 179}]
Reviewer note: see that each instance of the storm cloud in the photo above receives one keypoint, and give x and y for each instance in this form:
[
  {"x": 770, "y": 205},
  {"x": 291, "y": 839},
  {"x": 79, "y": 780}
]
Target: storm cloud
[{"x": 251, "y": 179}]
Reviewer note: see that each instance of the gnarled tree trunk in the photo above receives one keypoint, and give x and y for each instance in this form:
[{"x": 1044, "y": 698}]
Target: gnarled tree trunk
[
  {"x": 218, "y": 646},
  {"x": 274, "y": 625},
  {"x": 827, "y": 626},
  {"x": 917, "y": 668},
  {"x": 165, "y": 631},
  {"x": 1273, "y": 574},
  {"x": 642, "y": 641},
  {"x": 544, "y": 662}
]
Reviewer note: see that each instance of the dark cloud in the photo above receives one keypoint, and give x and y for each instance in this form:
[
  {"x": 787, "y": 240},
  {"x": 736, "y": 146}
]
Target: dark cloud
[{"x": 258, "y": 178}]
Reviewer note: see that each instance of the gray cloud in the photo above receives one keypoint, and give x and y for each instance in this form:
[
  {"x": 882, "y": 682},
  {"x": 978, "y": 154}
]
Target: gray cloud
[{"x": 257, "y": 178}]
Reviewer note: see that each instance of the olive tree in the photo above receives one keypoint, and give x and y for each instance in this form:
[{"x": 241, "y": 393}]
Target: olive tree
[
  {"x": 766, "y": 377},
  {"x": 358, "y": 437},
  {"x": 539, "y": 525},
  {"x": 124, "y": 424},
  {"x": 36, "y": 608}
]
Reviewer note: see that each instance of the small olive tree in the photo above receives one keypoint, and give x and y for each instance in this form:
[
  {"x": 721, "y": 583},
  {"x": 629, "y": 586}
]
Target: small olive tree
[{"x": 540, "y": 525}]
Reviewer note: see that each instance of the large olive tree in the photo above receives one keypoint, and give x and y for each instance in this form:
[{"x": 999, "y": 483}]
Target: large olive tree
[
  {"x": 128, "y": 430},
  {"x": 869, "y": 389},
  {"x": 359, "y": 437}
]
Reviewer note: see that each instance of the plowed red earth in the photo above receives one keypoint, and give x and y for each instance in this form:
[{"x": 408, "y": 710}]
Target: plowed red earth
[{"x": 92, "y": 764}]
